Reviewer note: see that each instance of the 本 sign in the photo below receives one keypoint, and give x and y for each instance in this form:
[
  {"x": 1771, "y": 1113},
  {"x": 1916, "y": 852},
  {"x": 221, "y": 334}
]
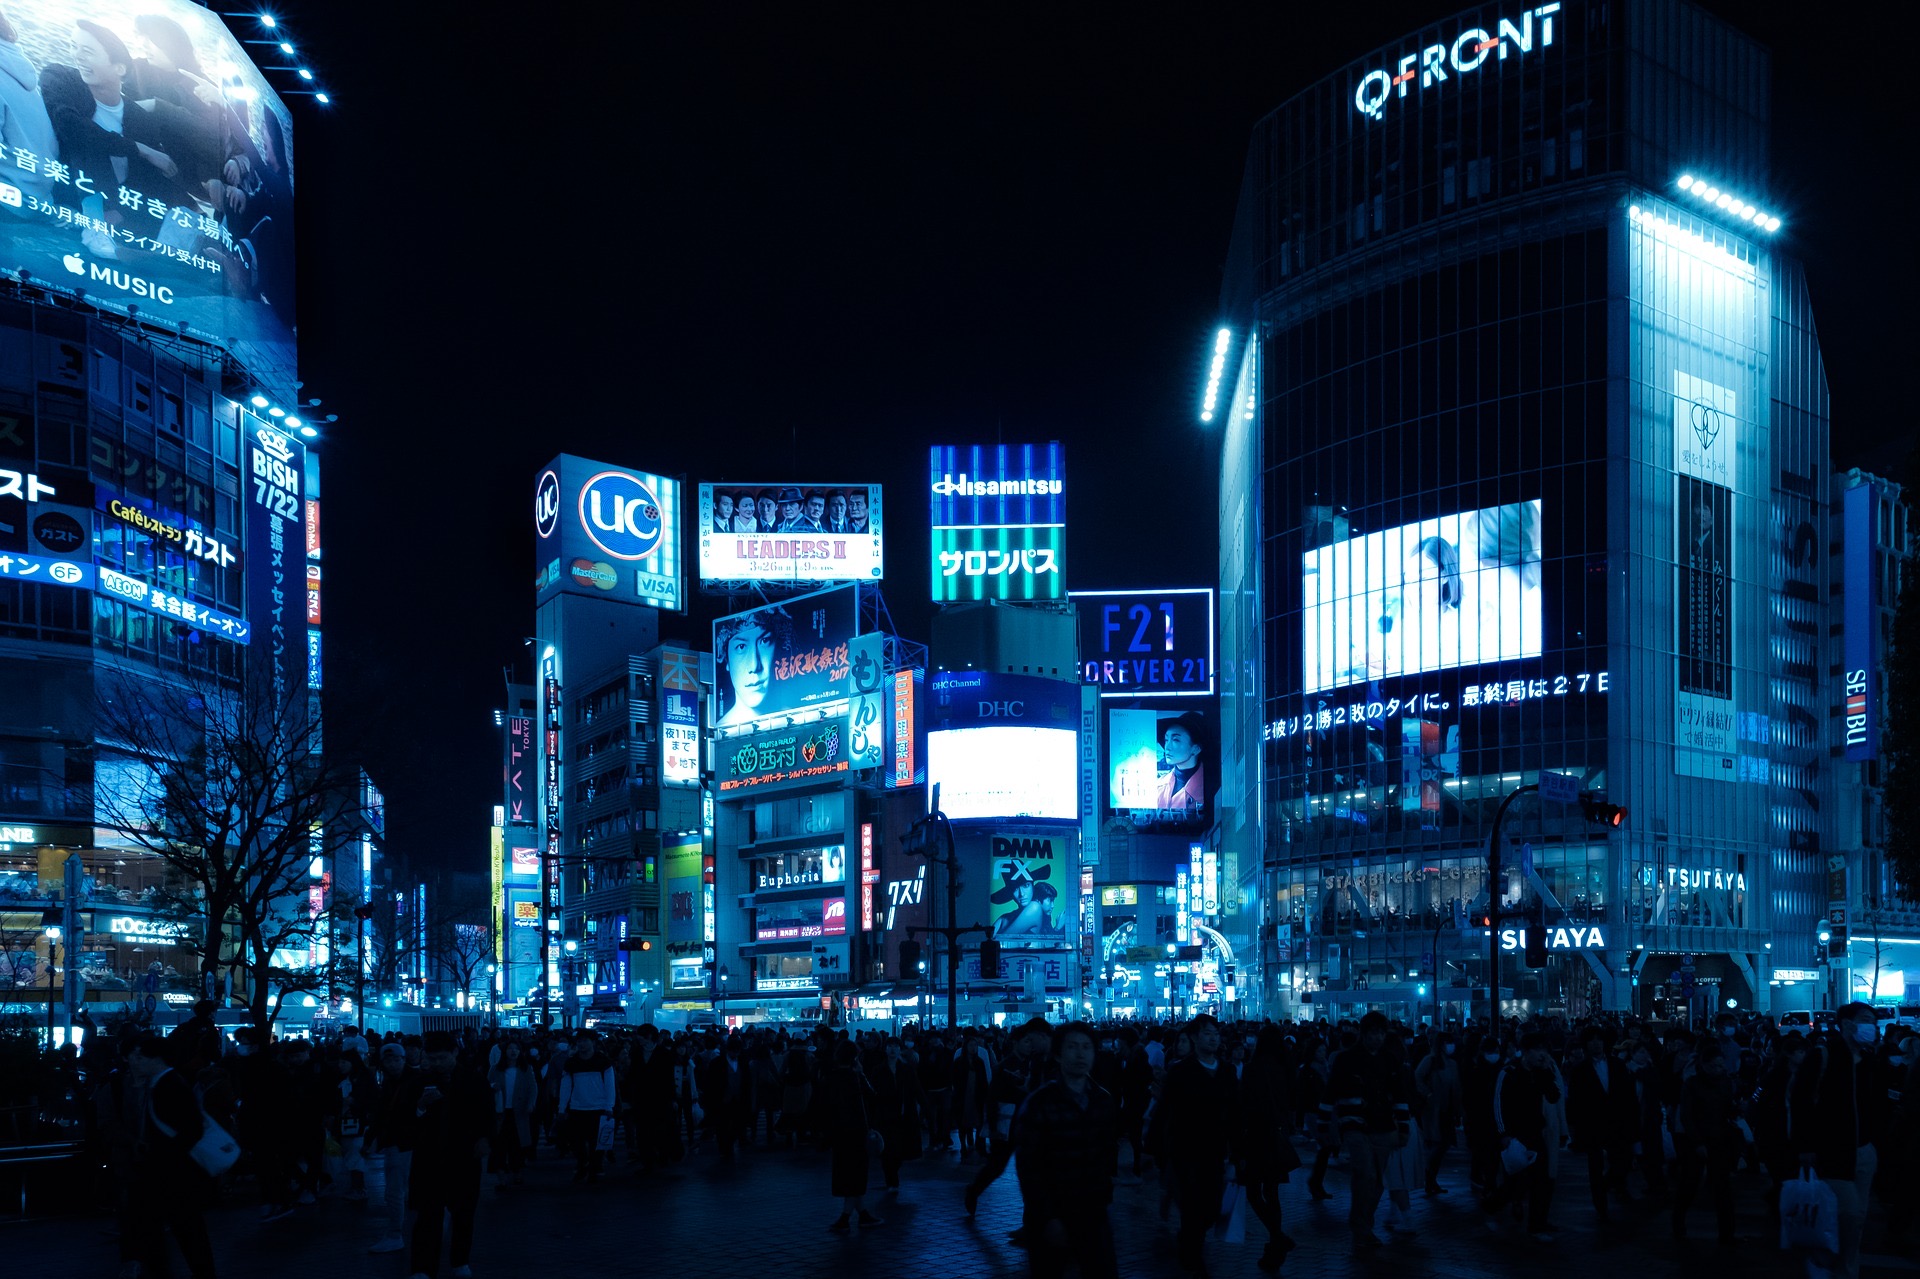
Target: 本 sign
[{"x": 1158, "y": 643}]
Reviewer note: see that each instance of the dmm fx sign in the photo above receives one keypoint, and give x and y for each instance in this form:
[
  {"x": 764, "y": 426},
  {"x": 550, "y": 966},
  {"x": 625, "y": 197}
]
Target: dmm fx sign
[
  {"x": 1026, "y": 849},
  {"x": 1466, "y": 52},
  {"x": 1569, "y": 937}
]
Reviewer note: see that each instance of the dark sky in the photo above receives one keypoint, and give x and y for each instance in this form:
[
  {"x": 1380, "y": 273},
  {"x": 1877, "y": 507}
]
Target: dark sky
[{"x": 778, "y": 242}]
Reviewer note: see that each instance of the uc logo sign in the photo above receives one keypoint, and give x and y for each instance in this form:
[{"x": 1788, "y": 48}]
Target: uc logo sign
[
  {"x": 546, "y": 504},
  {"x": 620, "y": 515}
]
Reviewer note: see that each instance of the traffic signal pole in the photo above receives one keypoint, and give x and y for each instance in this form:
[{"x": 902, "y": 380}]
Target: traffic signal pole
[
  {"x": 922, "y": 840},
  {"x": 1493, "y": 909}
]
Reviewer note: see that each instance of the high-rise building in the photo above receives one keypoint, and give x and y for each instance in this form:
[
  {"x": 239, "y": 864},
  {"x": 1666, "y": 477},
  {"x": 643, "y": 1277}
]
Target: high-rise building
[{"x": 1524, "y": 482}]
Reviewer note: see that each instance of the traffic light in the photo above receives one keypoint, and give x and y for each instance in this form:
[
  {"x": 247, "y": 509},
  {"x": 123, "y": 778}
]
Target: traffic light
[
  {"x": 989, "y": 959},
  {"x": 909, "y": 957},
  {"x": 1601, "y": 813},
  {"x": 645, "y": 944}
]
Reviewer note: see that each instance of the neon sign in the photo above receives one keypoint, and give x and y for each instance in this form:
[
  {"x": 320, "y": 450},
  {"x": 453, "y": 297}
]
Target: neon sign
[
  {"x": 1570, "y": 938},
  {"x": 1468, "y": 51}
]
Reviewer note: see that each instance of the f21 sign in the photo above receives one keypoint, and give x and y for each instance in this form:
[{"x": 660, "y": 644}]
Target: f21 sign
[{"x": 1147, "y": 643}]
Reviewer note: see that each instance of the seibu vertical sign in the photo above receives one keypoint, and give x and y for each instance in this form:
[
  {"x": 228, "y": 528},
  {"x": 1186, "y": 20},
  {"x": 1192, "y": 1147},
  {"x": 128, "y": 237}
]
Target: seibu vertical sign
[
  {"x": 1860, "y": 622},
  {"x": 277, "y": 557}
]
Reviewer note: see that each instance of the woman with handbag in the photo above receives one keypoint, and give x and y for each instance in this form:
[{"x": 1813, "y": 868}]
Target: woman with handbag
[
  {"x": 170, "y": 1189},
  {"x": 849, "y": 1099}
]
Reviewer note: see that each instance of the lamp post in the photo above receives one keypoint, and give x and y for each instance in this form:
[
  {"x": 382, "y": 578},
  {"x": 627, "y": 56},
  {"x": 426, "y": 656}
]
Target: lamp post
[
  {"x": 493, "y": 1008},
  {"x": 722, "y": 975},
  {"x": 53, "y": 939},
  {"x": 567, "y": 997}
]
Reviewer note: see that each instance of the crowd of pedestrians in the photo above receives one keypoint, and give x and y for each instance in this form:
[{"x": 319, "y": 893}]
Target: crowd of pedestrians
[{"x": 1215, "y": 1118}]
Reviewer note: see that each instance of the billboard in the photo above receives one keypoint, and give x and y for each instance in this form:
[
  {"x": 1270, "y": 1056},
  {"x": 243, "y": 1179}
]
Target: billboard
[
  {"x": 1027, "y": 889},
  {"x": 276, "y": 543},
  {"x": 1705, "y": 430},
  {"x": 1159, "y": 774},
  {"x": 1147, "y": 643},
  {"x": 149, "y": 162},
  {"x": 779, "y": 756},
  {"x": 1860, "y": 629},
  {"x": 683, "y": 891},
  {"x": 906, "y": 762},
  {"x": 1455, "y": 591},
  {"x": 790, "y": 533},
  {"x": 999, "y": 522},
  {"x": 679, "y": 718},
  {"x": 780, "y": 658},
  {"x": 986, "y": 773},
  {"x": 607, "y": 533}
]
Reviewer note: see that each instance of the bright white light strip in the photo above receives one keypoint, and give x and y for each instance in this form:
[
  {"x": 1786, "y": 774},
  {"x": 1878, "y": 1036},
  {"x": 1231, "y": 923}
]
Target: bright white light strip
[
  {"x": 1220, "y": 343},
  {"x": 1690, "y": 243},
  {"x": 1728, "y": 202}
]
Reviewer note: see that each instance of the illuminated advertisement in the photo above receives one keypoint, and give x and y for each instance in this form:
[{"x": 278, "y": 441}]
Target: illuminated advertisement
[
  {"x": 275, "y": 518},
  {"x": 999, "y": 522},
  {"x": 520, "y": 759},
  {"x": 679, "y": 718},
  {"x": 793, "y": 921},
  {"x": 833, "y": 917},
  {"x": 497, "y": 882},
  {"x": 1147, "y": 643},
  {"x": 1463, "y": 53},
  {"x": 783, "y": 756},
  {"x": 185, "y": 538},
  {"x": 1000, "y": 772},
  {"x": 781, "y": 658},
  {"x": 1024, "y": 903},
  {"x": 683, "y": 891},
  {"x": 1158, "y": 775},
  {"x": 1860, "y": 629},
  {"x": 607, "y": 533},
  {"x": 790, "y": 533},
  {"x": 1704, "y": 445},
  {"x": 128, "y": 590},
  {"x": 149, "y": 163},
  {"x": 523, "y": 930},
  {"x": 867, "y": 688},
  {"x": 523, "y": 853},
  {"x": 1455, "y": 591},
  {"x": 907, "y": 762}
]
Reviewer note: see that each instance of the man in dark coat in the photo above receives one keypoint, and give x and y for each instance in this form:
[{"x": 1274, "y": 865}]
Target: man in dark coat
[
  {"x": 1022, "y": 1072},
  {"x": 1707, "y": 1143},
  {"x": 1067, "y": 1144},
  {"x": 1520, "y": 1099},
  {"x": 896, "y": 1109},
  {"x": 170, "y": 1189},
  {"x": 1840, "y": 1114},
  {"x": 452, "y": 1114},
  {"x": 1603, "y": 1114},
  {"x": 1372, "y": 1110},
  {"x": 1199, "y": 1112}
]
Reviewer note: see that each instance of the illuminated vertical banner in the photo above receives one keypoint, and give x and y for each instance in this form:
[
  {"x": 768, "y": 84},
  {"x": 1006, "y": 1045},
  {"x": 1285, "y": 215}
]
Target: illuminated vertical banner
[
  {"x": 904, "y": 763},
  {"x": 1860, "y": 636},
  {"x": 868, "y": 876},
  {"x": 550, "y": 709},
  {"x": 1705, "y": 427},
  {"x": 497, "y": 863},
  {"x": 1181, "y": 884},
  {"x": 866, "y": 694},
  {"x": 276, "y": 556},
  {"x": 519, "y": 759},
  {"x": 999, "y": 522},
  {"x": 679, "y": 717},
  {"x": 709, "y": 917}
]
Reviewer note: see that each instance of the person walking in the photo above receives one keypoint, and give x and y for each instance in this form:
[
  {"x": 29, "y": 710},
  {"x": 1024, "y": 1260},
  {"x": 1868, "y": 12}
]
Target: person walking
[
  {"x": 1602, "y": 1118},
  {"x": 391, "y": 1135},
  {"x": 896, "y": 1110},
  {"x": 1706, "y": 1142},
  {"x": 1067, "y": 1147},
  {"x": 1476, "y": 1115},
  {"x": 1437, "y": 1093},
  {"x": 514, "y": 1095},
  {"x": 1839, "y": 1114},
  {"x": 1310, "y": 1093},
  {"x": 1266, "y": 1153},
  {"x": 848, "y": 1100},
  {"x": 170, "y": 1189},
  {"x": 452, "y": 1112},
  {"x": 1200, "y": 1119},
  {"x": 1368, "y": 1099},
  {"x": 1017, "y": 1076},
  {"x": 935, "y": 1069},
  {"x": 587, "y": 1093},
  {"x": 1521, "y": 1096}
]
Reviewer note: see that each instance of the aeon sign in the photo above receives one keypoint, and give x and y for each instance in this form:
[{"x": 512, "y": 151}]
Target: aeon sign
[
  {"x": 621, "y": 515},
  {"x": 1465, "y": 53}
]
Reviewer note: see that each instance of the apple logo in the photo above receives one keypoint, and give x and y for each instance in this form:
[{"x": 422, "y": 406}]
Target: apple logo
[{"x": 75, "y": 263}]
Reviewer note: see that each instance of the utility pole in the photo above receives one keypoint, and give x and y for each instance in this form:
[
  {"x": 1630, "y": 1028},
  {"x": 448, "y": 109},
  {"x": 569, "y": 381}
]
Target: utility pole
[
  {"x": 923, "y": 840},
  {"x": 1493, "y": 909}
]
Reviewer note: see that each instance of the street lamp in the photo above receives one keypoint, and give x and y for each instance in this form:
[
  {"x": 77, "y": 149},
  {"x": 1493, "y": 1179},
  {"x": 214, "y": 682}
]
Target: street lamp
[
  {"x": 722, "y": 974},
  {"x": 493, "y": 1009},
  {"x": 567, "y": 997}
]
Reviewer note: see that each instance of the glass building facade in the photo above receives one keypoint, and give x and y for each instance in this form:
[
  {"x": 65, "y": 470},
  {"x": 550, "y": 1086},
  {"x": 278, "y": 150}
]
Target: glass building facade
[{"x": 1523, "y": 474}]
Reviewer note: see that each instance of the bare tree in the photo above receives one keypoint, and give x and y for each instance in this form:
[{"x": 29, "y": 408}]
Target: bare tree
[
  {"x": 228, "y": 786},
  {"x": 460, "y": 939}
]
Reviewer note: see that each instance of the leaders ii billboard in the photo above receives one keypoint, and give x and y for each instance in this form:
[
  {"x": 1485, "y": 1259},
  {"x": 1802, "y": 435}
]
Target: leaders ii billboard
[
  {"x": 147, "y": 160},
  {"x": 784, "y": 534},
  {"x": 607, "y": 532}
]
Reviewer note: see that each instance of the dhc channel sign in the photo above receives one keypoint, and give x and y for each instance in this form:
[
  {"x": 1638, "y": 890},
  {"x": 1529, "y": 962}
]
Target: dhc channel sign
[{"x": 607, "y": 532}]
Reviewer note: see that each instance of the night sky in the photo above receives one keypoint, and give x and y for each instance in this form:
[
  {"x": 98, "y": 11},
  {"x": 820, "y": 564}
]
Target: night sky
[{"x": 763, "y": 245}]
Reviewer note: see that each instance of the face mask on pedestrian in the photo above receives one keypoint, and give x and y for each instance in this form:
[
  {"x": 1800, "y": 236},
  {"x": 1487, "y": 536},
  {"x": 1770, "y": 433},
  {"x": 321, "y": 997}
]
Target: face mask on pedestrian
[
  {"x": 1727, "y": 1031},
  {"x": 1866, "y": 1033},
  {"x": 1448, "y": 1049},
  {"x": 1491, "y": 1056}
]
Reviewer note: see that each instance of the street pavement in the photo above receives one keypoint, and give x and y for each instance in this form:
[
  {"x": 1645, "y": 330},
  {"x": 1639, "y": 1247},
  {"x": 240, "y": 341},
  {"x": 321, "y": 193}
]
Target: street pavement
[{"x": 766, "y": 1214}]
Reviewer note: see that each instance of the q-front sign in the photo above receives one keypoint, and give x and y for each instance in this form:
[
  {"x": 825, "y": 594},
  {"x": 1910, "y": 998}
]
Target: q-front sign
[{"x": 1465, "y": 53}]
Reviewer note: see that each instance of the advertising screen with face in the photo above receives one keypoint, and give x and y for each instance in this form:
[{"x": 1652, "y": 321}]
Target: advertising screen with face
[
  {"x": 1159, "y": 775},
  {"x": 991, "y": 772},
  {"x": 149, "y": 162},
  {"x": 784, "y": 657},
  {"x": 790, "y": 533},
  {"x": 1024, "y": 903},
  {"x": 1455, "y": 591}
]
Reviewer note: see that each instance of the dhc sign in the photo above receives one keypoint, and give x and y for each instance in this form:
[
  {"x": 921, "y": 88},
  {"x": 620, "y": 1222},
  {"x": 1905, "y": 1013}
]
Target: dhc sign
[
  {"x": 1465, "y": 53},
  {"x": 1558, "y": 938}
]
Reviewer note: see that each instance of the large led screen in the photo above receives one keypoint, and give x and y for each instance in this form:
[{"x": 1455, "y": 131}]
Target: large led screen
[
  {"x": 1448, "y": 592},
  {"x": 780, "y": 658},
  {"x": 1160, "y": 762},
  {"x": 148, "y": 161},
  {"x": 1005, "y": 772},
  {"x": 790, "y": 532}
]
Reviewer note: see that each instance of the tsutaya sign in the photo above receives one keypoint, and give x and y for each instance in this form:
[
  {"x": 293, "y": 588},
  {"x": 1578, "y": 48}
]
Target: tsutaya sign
[
  {"x": 1558, "y": 938},
  {"x": 1465, "y": 53}
]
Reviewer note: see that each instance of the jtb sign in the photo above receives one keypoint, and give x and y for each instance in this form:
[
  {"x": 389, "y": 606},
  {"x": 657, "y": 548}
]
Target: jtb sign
[
  {"x": 1558, "y": 938},
  {"x": 1465, "y": 53}
]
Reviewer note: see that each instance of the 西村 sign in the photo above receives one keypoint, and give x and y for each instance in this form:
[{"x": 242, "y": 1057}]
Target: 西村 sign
[
  {"x": 1559, "y": 937},
  {"x": 1465, "y": 53}
]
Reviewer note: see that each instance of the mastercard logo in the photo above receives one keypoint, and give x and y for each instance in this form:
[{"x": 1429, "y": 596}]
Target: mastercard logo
[{"x": 595, "y": 573}]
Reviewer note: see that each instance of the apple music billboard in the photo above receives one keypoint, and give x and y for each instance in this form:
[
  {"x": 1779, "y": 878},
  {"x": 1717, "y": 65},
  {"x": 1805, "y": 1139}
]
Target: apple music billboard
[{"x": 148, "y": 161}]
